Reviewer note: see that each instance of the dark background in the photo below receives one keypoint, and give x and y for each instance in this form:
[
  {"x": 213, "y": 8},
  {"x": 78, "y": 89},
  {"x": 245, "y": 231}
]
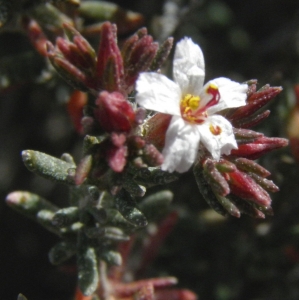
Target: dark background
[{"x": 215, "y": 257}]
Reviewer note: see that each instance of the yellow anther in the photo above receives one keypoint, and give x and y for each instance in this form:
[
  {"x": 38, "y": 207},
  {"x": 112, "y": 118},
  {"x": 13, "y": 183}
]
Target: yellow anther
[
  {"x": 216, "y": 130},
  {"x": 212, "y": 86},
  {"x": 190, "y": 101},
  {"x": 194, "y": 102}
]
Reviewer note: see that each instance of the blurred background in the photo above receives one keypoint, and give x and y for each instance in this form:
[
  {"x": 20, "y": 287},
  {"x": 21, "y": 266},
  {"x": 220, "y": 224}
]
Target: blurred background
[{"x": 218, "y": 258}]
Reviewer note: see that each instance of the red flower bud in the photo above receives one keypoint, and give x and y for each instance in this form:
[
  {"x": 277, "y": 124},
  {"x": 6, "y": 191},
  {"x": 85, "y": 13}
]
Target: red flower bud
[
  {"x": 162, "y": 54},
  {"x": 259, "y": 147},
  {"x": 116, "y": 157},
  {"x": 36, "y": 36},
  {"x": 248, "y": 165},
  {"x": 255, "y": 101},
  {"x": 152, "y": 156},
  {"x": 215, "y": 179},
  {"x": 242, "y": 185},
  {"x": 73, "y": 75},
  {"x": 83, "y": 169},
  {"x": 110, "y": 70},
  {"x": 75, "y": 106},
  {"x": 118, "y": 140},
  {"x": 114, "y": 112},
  {"x": 139, "y": 59}
]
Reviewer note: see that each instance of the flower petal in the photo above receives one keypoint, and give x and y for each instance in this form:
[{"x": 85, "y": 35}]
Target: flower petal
[
  {"x": 189, "y": 67},
  {"x": 181, "y": 145},
  {"x": 216, "y": 134},
  {"x": 157, "y": 92},
  {"x": 232, "y": 94}
]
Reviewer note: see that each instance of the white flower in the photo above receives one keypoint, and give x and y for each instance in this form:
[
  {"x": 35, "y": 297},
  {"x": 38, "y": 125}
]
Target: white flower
[{"x": 193, "y": 106}]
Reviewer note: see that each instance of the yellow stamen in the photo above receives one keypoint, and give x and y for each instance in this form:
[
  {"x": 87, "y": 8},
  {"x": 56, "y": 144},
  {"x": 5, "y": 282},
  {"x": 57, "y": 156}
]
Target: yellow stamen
[
  {"x": 190, "y": 101},
  {"x": 216, "y": 130},
  {"x": 211, "y": 86},
  {"x": 189, "y": 106}
]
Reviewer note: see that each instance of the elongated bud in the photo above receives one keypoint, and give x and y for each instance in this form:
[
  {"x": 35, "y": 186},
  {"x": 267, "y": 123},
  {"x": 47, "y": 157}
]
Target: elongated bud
[
  {"x": 266, "y": 184},
  {"x": 152, "y": 156},
  {"x": 83, "y": 169},
  {"x": 250, "y": 208},
  {"x": 252, "y": 120},
  {"x": 229, "y": 206},
  {"x": 36, "y": 36},
  {"x": 162, "y": 54},
  {"x": 254, "y": 102},
  {"x": 74, "y": 59},
  {"x": 225, "y": 166},
  {"x": 116, "y": 157},
  {"x": 245, "y": 135},
  {"x": 113, "y": 75},
  {"x": 259, "y": 147},
  {"x": 206, "y": 190},
  {"x": 75, "y": 106},
  {"x": 140, "y": 59},
  {"x": 215, "y": 179},
  {"x": 73, "y": 75},
  {"x": 82, "y": 44},
  {"x": 128, "y": 47},
  {"x": 245, "y": 187},
  {"x": 109, "y": 58},
  {"x": 248, "y": 165},
  {"x": 73, "y": 54}
]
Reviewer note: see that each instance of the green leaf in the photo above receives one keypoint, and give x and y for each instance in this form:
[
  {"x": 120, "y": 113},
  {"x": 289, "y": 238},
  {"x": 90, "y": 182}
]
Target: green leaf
[
  {"x": 48, "y": 166},
  {"x": 88, "y": 275},
  {"x": 61, "y": 252},
  {"x": 127, "y": 207},
  {"x": 156, "y": 205}
]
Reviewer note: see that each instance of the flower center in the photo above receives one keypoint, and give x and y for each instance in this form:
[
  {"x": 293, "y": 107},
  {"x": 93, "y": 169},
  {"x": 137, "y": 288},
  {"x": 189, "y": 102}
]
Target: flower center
[{"x": 191, "y": 106}]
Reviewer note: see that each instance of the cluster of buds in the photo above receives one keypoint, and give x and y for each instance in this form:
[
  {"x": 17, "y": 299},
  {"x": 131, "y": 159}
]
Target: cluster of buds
[
  {"x": 236, "y": 184},
  {"x": 110, "y": 69},
  {"x": 110, "y": 75},
  {"x": 112, "y": 141}
]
